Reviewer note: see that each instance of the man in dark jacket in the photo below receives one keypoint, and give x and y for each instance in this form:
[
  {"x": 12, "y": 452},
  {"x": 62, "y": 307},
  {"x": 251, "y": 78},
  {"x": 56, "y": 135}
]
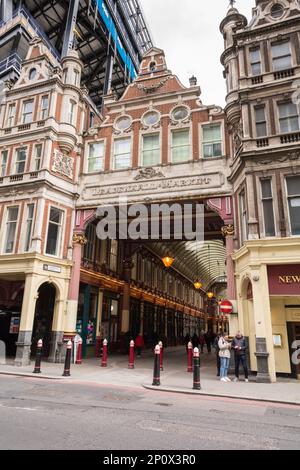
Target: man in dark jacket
[
  {"x": 217, "y": 349},
  {"x": 239, "y": 346}
]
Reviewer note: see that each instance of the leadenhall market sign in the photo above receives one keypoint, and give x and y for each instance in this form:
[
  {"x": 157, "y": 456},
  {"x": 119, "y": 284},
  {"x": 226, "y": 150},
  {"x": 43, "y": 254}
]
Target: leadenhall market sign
[{"x": 154, "y": 187}]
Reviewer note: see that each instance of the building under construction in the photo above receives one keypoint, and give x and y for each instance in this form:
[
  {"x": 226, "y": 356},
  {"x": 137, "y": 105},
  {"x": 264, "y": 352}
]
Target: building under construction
[{"x": 111, "y": 37}]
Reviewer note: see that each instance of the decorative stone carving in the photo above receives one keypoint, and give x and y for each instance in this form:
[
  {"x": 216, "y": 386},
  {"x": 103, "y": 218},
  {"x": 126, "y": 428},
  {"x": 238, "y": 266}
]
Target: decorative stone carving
[
  {"x": 153, "y": 88},
  {"x": 149, "y": 173},
  {"x": 238, "y": 134},
  {"x": 63, "y": 164},
  {"x": 80, "y": 239},
  {"x": 228, "y": 230},
  {"x": 291, "y": 156}
]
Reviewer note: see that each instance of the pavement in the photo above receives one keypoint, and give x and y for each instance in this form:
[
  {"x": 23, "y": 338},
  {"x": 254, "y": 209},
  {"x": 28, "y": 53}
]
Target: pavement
[{"x": 174, "y": 378}]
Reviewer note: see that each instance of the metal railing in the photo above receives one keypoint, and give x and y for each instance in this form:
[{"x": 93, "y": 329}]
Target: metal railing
[{"x": 13, "y": 61}]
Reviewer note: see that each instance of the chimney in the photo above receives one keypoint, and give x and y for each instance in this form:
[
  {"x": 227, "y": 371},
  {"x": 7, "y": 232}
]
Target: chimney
[{"x": 193, "y": 81}]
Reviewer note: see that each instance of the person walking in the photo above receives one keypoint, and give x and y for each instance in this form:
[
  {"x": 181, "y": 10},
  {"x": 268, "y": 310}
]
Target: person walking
[
  {"x": 201, "y": 341},
  {"x": 208, "y": 338},
  {"x": 239, "y": 347},
  {"x": 195, "y": 340},
  {"x": 224, "y": 353},
  {"x": 139, "y": 344},
  {"x": 217, "y": 350}
]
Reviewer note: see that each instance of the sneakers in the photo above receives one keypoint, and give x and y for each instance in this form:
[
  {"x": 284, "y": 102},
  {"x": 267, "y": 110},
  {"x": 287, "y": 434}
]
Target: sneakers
[
  {"x": 236, "y": 379},
  {"x": 246, "y": 380},
  {"x": 223, "y": 379},
  {"x": 228, "y": 379}
]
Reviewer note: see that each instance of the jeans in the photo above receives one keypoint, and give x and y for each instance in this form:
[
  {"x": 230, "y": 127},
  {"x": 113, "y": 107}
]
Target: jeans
[
  {"x": 241, "y": 358},
  {"x": 224, "y": 366}
]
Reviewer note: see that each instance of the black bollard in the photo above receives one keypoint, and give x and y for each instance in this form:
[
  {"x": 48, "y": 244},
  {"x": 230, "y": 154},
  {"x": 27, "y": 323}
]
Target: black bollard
[
  {"x": 68, "y": 360},
  {"x": 156, "y": 374},
  {"x": 38, "y": 357},
  {"x": 196, "y": 375}
]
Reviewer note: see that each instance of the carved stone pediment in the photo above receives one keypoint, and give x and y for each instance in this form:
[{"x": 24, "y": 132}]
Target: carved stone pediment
[{"x": 148, "y": 173}]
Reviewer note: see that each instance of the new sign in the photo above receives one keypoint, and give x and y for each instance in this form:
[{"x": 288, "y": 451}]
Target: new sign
[{"x": 284, "y": 280}]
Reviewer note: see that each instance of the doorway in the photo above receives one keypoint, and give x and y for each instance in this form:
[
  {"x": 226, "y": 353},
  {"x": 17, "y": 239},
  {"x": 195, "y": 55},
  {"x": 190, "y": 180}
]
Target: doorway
[
  {"x": 43, "y": 318},
  {"x": 294, "y": 336}
]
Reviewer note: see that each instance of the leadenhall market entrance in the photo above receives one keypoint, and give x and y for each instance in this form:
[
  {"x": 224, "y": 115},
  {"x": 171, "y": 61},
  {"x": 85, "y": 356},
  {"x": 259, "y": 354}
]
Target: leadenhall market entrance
[{"x": 162, "y": 289}]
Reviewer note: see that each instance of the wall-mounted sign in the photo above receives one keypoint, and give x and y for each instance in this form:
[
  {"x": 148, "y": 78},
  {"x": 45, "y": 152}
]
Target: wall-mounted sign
[
  {"x": 52, "y": 268},
  {"x": 284, "y": 280},
  {"x": 14, "y": 325}
]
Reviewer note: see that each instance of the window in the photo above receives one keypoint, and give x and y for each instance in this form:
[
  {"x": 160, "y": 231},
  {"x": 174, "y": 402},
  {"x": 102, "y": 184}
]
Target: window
[
  {"x": 27, "y": 113},
  {"x": 44, "y": 107},
  {"x": 3, "y": 162},
  {"x": 37, "y": 157},
  {"x": 89, "y": 248},
  {"x": 54, "y": 231},
  {"x": 243, "y": 217},
  {"x": 20, "y": 160},
  {"x": 180, "y": 146},
  {"x": 32, "y": 74},
  {"x": 29, "y": 223},
  {"x": 96, "y": 157},
  {"x": 122, "y": 152},
  {"x": 212, "y": 141},
  {"x": 282, "y": 58},
  {"x": 255, "y": 61},
  {"x": 151, "y": 118},
  {"x": 11, "y": 226},
  {"x": 92, "y": 119},
  {"x": 113, "y": 255},
  {"x": 260, "y": 121},
  {"x": 11, "y": 115},
  {"x": 267, "y": 205},
  {"x": 151, "y": 150},
  {"x": 76, "y": 78},
  {"x": 180, "y": 113},
  {"x": 123, "y": 123},
  {"x": 293, "y": 190},
  {"x": 71, "y": 111},
  {"x": 277, "y": 11},
  {"x": 288, "y": 117}
]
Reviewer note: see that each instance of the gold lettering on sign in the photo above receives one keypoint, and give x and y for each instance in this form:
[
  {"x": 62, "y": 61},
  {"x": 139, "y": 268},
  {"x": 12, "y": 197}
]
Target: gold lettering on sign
[{"x": 289, "y": 279}]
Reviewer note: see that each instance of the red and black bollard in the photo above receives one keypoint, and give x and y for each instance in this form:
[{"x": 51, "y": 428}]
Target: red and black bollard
[
  {"x": 104, "y": 354},
  {"x": 196, "y": 378},
  {"x": 160, "y": 344},
  {"x": 79, "y": 352},
  {"x": 131, "y": 355},
  {"x": 67, "y": 366},
  {"x": 156, "y": 374},
  {"x": 38, "y": 357},
  {"x": 190, "y": 357}
]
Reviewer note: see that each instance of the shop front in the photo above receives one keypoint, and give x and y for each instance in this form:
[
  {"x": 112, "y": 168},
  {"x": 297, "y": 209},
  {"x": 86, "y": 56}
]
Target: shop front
[{"x": 284, "y": 291}]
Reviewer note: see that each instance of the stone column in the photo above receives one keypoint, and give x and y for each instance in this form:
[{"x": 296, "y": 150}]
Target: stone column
[
  {"x": 56, "y": 333},
  {"x": 99, "y": 322},
  {"x": 228, "y": 233},
  {"x": 266, "y": 371},
  {"x": 27, "y": 319},
  {"x": 126, "y": 295},
  {"x": 79, "y": 241}
]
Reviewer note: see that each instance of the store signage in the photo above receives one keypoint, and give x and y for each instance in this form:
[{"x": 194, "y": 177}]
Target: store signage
[
  {"x": 284, "y": 279},
  {"x": 52, "y": 268}
]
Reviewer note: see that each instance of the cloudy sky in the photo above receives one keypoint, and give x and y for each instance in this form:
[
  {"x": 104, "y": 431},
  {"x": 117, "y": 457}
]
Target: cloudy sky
[{"x": 188, "y": 31}]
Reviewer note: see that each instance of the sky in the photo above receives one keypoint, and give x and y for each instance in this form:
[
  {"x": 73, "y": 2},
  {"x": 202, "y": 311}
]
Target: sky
[{"x": 188, "y": 31}]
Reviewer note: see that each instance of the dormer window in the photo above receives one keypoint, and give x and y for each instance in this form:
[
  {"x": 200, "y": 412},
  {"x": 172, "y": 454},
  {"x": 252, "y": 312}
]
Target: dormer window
[
  {"x": 277, "y": 11},
  {"x": 152, "y": 66},
  {"x": 32, "y": 73}
]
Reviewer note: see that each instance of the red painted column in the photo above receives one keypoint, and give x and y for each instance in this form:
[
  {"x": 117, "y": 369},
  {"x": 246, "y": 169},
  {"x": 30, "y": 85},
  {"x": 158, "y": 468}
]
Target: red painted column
[
  {"x": 131, "y": 355},
  {"x": 104, "y": 354},
  {"x": 190, "y": 357}
]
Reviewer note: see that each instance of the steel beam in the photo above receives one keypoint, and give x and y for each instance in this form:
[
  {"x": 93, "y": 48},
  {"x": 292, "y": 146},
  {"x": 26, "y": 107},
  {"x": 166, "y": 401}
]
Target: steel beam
[{"x": 70, "y": 27}]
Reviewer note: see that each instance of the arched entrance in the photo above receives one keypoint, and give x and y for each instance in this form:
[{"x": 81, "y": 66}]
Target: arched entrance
[{"x": 43, "y": 318}]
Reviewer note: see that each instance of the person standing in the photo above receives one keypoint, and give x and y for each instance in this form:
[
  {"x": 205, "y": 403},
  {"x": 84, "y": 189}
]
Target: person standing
[
  {"x": 239, "y": 347},
  {"x": 217, "y": 350},
  {"x": 195, "y": 340},
  {"x": 202, "y": 341},
  {"x": 208, "y": 339},
  {"x": 224, "y": 353},
  {"x": 139, "y": 344}
]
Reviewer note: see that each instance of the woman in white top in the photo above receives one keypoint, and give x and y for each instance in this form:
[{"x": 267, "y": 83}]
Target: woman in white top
[{"x": 224, "y": 354}]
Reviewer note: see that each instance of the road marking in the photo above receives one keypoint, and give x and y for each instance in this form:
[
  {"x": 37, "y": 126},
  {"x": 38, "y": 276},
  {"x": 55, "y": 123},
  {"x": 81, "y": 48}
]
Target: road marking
[{"x": 18, "y": 408}]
